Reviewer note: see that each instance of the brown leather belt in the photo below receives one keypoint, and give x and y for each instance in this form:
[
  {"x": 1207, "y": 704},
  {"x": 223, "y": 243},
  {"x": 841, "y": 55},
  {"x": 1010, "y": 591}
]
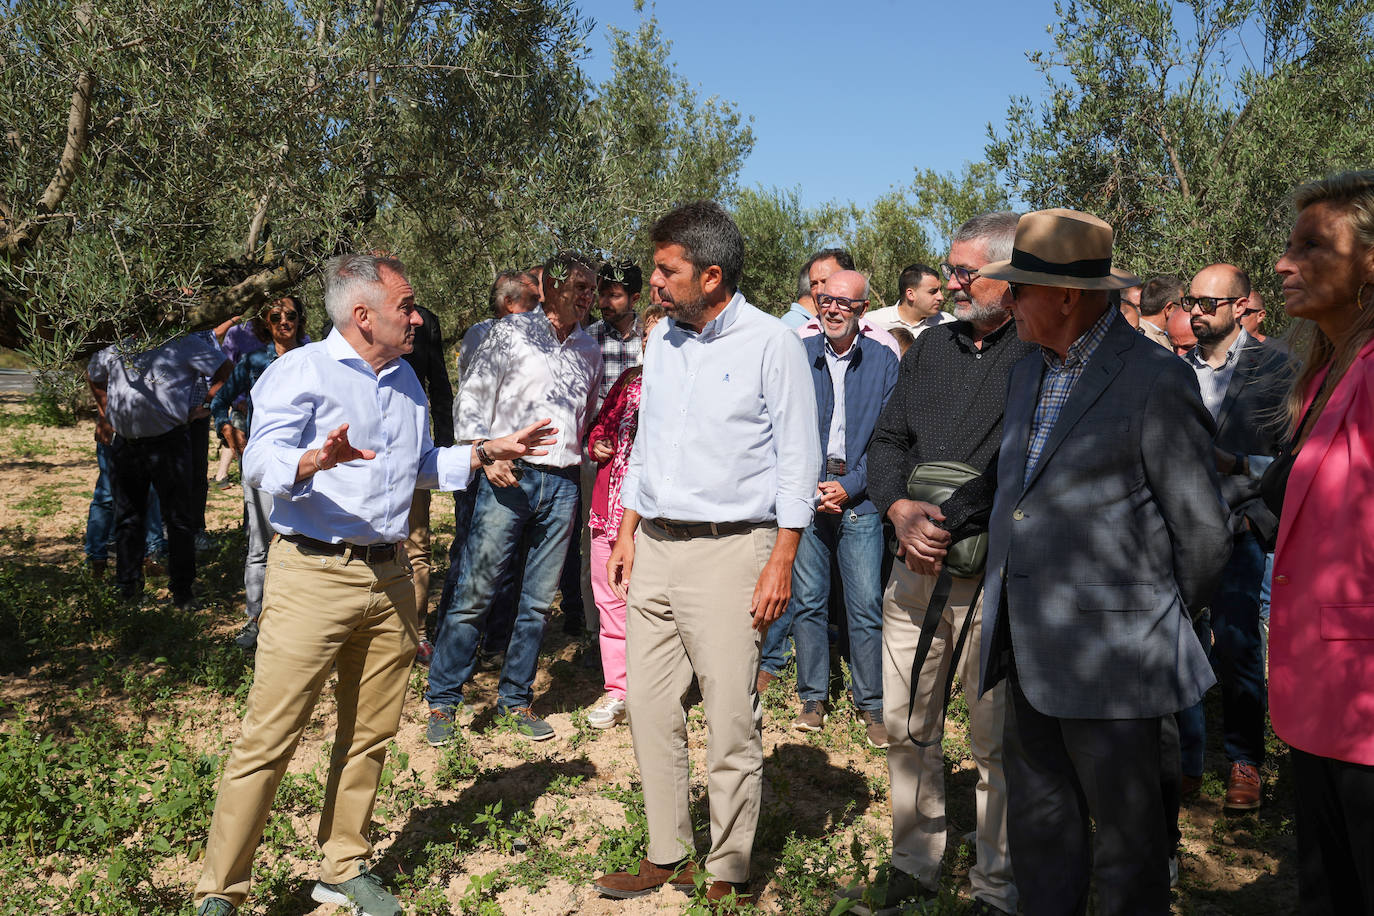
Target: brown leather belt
[
  {"x": 368, "y": 553},
  {"x": 703, "y": 529}
]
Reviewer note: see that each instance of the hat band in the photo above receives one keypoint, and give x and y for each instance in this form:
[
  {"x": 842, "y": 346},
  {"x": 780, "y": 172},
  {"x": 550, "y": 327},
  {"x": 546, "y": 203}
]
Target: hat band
[{"x": 1088, "y": 269}]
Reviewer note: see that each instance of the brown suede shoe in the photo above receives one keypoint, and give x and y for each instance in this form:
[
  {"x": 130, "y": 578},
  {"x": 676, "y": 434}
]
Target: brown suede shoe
[
  {"x": 1243, "y": 788},
  {"x": 764, "y": 679},
  {"x": 623, "y": 884},
  {"x": 1190, "y": 785},
  {"x": 728, "y": 897}
]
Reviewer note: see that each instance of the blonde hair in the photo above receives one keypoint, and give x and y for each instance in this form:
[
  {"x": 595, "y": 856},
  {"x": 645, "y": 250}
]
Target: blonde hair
[{"x": 1353, "y": 193}]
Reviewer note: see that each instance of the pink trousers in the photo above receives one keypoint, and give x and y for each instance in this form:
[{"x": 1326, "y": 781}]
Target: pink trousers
[{"x": 611, "y": 610}]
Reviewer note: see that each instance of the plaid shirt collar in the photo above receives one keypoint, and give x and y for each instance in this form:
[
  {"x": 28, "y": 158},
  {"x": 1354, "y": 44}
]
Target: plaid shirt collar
[{"x": 1083, "y": 348}]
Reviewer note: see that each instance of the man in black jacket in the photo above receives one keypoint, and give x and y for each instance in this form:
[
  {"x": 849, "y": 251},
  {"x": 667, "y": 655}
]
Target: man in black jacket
[{"x": 428, "y": 361}]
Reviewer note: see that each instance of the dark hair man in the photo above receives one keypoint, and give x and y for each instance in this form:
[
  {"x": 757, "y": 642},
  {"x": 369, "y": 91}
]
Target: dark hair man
[
  {"x": 919, "y": 303},
  {"x": 947, "y": 406},
  {"x": 1159, "y": 299},
  {"x": 721, "y": 480},
  {"x": 531, "y": 364},
  {"x": 1092, "y": 570},
  {"x": 338, "y": 592},
  {"x": 1243, "y": 386}
]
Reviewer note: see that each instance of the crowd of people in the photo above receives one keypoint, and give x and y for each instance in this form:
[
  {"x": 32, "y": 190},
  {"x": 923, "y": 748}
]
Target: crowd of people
[{"x": 1084, "y": 496}]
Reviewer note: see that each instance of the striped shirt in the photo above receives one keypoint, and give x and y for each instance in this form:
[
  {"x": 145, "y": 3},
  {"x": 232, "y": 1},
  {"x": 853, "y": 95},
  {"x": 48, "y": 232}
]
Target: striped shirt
[{"x": 1057, "y": 384}]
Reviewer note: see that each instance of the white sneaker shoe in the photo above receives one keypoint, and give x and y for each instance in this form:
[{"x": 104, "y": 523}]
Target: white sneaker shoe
[{"x": 609, "y": 713}]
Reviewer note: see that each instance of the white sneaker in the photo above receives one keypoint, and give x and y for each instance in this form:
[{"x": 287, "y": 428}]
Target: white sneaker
[{"x": 609, "y": 713}]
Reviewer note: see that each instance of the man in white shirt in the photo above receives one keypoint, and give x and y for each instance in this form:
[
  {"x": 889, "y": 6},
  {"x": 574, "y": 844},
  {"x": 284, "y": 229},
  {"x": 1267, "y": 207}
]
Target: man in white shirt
[
  {"x": 540, "y": 363},
  {"x": 720, "y": 486},
  {"x": 340, "y": 440},
  {"x": 918, "y": 307},
  {"x": 514, "y": 292}
]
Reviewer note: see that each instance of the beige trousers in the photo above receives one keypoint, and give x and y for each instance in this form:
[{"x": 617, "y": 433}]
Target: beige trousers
[
  {"x": 688, "y": 611},
  {"x": 417, "y": 551},
  {"x": 917, "y": 773},
  {"x": 319, "y": 610}
]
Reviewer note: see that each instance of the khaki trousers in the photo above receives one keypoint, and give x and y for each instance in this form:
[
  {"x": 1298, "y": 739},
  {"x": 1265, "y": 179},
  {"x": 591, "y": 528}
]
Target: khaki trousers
[
  {"x": 918, "y": 773},
  {"x": 688, "y": 611},
  {"x": 319, "y": 610},
  {"x": 417, "y": 551}
]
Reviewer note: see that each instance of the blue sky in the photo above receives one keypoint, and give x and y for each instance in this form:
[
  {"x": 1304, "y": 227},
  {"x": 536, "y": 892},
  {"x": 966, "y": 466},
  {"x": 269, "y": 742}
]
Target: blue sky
[{"x": 848, "y": 99}]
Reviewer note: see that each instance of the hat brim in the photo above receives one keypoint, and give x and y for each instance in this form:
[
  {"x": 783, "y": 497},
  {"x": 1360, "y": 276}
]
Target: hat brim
[{"x": 1002, "y": 270}]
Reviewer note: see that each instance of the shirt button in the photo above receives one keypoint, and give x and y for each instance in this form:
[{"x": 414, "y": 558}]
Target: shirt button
[
  {"x": 1018, "y": 515},
  {"x": 1280, "y": 580}
]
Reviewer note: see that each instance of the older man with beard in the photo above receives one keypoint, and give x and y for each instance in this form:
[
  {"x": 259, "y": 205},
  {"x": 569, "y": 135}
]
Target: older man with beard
[{"x": 947, "y": 406}]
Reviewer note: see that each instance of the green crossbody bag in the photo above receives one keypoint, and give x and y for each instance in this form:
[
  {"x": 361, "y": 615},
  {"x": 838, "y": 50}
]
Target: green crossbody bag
[{"x": 934, "y": 482}]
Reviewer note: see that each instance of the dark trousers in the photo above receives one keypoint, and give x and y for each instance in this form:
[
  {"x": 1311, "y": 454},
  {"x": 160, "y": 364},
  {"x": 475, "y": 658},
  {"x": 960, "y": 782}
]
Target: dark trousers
[
  {"x": 199, "y": 431},
  {"x": 164, "y": 462},
  {"x": 1238, "y": 652},
  {"x": 1335, "y": 820},
  {"x": 1063, "y": 774}
]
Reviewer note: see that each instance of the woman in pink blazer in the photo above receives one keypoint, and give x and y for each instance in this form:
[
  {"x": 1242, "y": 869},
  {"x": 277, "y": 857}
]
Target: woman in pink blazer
[{"x": 1321, "y": 638}]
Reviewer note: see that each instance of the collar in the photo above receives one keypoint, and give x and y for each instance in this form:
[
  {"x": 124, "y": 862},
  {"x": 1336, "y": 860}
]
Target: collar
[
  {"x": 1194, "y": 356},
  {"x": 963, "y": 333},
  {"x": 1084, "y": 347},
  {"x": 338, "y": 348},
  {"x": 719, "y": 324},
  {"x": 636, "y": 329}
]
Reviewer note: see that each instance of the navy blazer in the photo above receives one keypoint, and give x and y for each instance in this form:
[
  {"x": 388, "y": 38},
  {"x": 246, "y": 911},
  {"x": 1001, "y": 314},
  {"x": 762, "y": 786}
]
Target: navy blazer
[
  {"x": 868, "y": 383},
  {"x": 1095, "y": 560}
]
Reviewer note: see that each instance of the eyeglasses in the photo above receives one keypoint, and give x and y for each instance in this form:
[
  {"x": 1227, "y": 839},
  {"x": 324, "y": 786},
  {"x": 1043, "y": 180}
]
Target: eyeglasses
[
  {"x": 1015, "y": 289},
  {"x": 1208, "y": 304},
  {"x": 847, "y": 306},
  {"x": 962, "y": 274},
  {"x": 280, "y": 317}
]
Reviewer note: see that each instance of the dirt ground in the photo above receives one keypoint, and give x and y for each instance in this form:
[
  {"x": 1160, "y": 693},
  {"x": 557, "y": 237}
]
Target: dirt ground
[{"x": 816, "y": 786}]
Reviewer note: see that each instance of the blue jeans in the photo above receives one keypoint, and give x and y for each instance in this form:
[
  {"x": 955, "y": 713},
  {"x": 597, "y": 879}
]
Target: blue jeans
[
  {"x": 535, "y": 518},
  {"x": 856, "y": 542},
  {"x": 1237, "y": 652},
  {"x": 100, "y": 517},
  {"x": 501, "y": 617},
  {"x": 773, "y": 654}
]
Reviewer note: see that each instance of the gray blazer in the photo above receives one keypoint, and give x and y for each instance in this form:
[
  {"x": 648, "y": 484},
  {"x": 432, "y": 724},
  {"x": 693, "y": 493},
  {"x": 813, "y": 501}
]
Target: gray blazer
[{"x": 1119, "y": 531}]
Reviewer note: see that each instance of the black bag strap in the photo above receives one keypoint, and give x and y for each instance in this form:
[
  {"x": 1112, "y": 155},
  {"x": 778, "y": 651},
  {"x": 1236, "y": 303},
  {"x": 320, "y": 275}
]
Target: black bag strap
[{"x": 939, "y": 597}]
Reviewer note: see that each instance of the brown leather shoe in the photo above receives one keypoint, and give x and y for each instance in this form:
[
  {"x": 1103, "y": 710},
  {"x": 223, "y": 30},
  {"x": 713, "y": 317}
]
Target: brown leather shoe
[
  {"x": 1243, "y": 788},
  {"x": 1190, "y": 785},
  {"x": 623, "y": 884},
  {"x": 726, "y": 896},
  {"x": 764, "y": 679}
]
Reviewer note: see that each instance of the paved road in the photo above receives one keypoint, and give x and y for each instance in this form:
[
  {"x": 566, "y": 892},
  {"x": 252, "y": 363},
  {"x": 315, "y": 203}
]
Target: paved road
[{"x": 20, "y": 380}]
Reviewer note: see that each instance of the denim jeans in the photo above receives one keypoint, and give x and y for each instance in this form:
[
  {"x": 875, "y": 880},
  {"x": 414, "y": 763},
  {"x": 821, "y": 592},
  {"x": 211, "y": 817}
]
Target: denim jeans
[
  {"x": 164, "y": 462},
  {"x": 501, "y": 617},
  {"x": 100, "y": 517},
  {"x": 773, "y": 655},
  {"x": 535, "y": 518},
  {"x": 1237, "y": 652},
  {"x": 856, "y": 542}
]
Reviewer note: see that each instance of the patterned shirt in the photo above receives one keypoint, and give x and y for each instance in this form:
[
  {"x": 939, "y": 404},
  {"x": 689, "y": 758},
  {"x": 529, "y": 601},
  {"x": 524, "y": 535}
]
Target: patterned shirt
[
  {"x": 617, "y": 423},
  {"x": 1215, "y": 381},
  {"x": 1057, "y": 384},
  {"x": 618, "y": 352}
]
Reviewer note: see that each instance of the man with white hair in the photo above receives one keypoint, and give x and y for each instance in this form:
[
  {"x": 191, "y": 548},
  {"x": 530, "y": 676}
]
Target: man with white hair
[{"x": 340, "y": 440}]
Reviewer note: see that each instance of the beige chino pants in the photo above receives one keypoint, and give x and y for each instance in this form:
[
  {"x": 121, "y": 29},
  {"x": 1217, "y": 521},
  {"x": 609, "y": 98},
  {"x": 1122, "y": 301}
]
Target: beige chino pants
[
  {"x": 688, "y": 611},
  {"x": 417, "y": 550},
  {"x": 918, "y": 773},
  {"x": 319, "y": 610}
]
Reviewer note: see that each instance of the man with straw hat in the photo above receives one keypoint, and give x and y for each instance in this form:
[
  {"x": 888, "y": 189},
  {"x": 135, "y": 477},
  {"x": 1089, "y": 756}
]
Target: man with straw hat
[{"x": 1093, "y": 565}]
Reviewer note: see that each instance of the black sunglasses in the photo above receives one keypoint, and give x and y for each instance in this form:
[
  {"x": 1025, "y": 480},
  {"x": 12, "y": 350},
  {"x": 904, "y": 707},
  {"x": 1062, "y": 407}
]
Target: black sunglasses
[
  {"x": 1208, "y": 304},
  {"x": 279, "y": 317}
]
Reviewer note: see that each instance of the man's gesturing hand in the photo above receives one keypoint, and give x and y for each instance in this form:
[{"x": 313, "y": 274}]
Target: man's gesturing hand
[
  {"x": 337, "y": 449},
  {"x": 920, "y": 542},
  {"x": 524, "y": 442}
]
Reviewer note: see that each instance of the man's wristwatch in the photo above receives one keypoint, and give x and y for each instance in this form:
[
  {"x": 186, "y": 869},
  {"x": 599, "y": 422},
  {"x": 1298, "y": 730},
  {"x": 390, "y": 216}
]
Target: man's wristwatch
[{"x": 482, "y": 456}]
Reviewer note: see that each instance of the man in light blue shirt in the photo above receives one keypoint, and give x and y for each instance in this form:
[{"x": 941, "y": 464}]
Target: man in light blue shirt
[
  {"x": 340, "y": 439},
  {"x": 720, "y": 486}
]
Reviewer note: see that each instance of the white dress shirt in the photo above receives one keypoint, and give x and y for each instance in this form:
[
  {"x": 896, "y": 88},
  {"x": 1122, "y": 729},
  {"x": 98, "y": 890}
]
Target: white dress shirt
[
  {"x": 311, "y": 390},
  {"x": 522, "y": 373},
  {"x": 727, "y": 424},
  {"x": 838, "y": 366},
  {"x": 469, "y": 344},
  {"x": 890, "y": 318},
  {"x": 1215, "y": 381}
]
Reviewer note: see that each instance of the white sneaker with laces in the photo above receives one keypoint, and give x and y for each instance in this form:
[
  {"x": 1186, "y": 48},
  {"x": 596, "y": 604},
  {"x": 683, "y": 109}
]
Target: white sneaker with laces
[{"x": 609, "y": 713}]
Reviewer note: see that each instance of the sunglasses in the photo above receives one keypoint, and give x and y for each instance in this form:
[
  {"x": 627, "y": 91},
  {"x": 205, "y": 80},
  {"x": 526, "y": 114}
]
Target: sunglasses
[
  {"x": 1208, "y": 304},
  {"x": 281, "y": 317},
  {"x": 962, "y": 274},
  {"x": 845, "y": 305}
]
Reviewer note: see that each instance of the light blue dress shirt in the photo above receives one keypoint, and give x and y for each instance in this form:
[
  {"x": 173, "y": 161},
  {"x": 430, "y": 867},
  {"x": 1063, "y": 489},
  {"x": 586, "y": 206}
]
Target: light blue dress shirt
[
  {"x": 313, "y": 389},
  {"x": 151, "y": 392},
  {"x": 727, "y": 424}
]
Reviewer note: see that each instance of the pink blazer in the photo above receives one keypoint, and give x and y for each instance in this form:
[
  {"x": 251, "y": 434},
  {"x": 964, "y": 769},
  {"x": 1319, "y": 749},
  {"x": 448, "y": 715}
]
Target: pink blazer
[{"x": 1321, "y": 627}]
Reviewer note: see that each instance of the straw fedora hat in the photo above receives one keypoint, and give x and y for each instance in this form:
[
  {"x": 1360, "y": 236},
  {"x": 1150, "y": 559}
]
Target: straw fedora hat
[{"x": 1061, "y": 248}]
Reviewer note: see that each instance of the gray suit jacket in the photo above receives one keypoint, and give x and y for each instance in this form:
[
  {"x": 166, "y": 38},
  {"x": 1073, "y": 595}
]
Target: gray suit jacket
[{"x": 1120, "y": 530}]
